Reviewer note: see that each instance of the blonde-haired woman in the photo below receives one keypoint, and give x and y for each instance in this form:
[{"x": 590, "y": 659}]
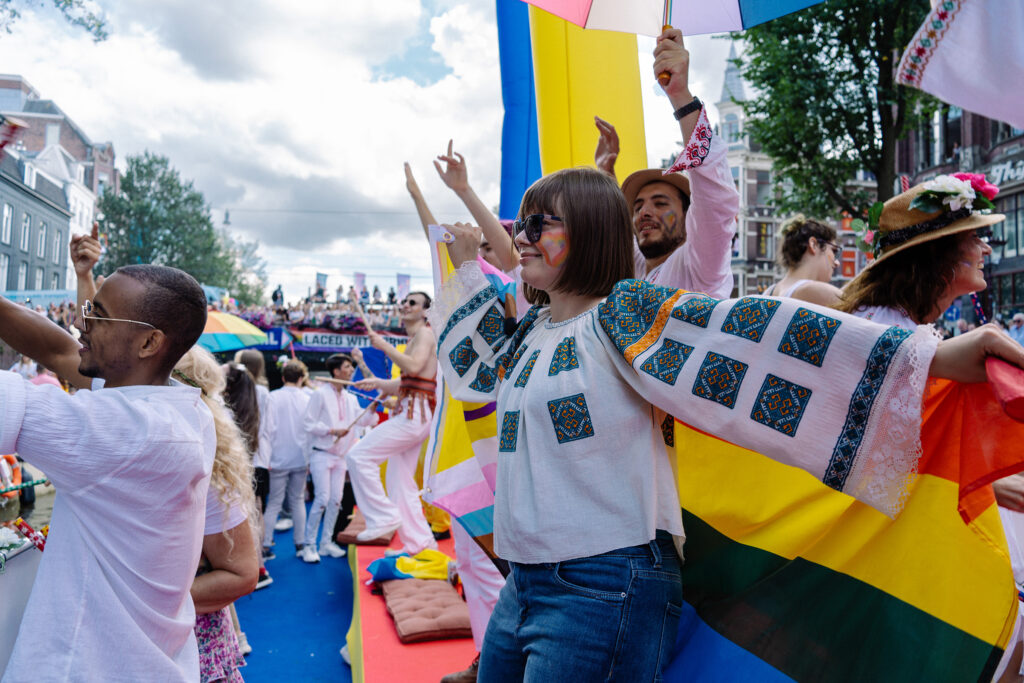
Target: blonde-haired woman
[
  {"x": 807, "y": 251},
  {"x": 228, "y": 568}
]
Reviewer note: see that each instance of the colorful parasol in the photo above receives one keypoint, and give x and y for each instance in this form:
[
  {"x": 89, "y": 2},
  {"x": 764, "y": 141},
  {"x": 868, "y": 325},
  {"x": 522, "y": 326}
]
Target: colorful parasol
[
  {"x": 648, "y": 17},
  {"x": 226, "y": 332}
]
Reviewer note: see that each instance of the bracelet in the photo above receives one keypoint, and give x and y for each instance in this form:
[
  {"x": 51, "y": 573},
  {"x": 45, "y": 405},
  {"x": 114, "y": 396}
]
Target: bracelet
[{"x": 693, "y": 106}]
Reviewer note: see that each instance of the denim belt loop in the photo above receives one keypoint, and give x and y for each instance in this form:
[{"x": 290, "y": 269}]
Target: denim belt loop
[{"x": 655, "y": 553}]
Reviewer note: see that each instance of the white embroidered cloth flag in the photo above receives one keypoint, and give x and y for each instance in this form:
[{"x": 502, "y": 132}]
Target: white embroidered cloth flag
[{"x": 969, "y": 53}]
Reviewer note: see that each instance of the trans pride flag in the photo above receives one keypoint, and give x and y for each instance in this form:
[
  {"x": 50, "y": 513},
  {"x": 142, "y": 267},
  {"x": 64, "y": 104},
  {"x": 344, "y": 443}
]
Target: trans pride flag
[{"x": 462, "y": 453}]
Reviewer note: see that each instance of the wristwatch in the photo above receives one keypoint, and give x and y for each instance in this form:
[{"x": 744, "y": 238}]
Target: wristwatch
[{"x": 693, "y": 106}]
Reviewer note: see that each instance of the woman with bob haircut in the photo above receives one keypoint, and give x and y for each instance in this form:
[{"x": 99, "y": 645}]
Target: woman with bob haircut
[
  {"x": 807, "y": 252},
  {"x": 586, "y": 508}
]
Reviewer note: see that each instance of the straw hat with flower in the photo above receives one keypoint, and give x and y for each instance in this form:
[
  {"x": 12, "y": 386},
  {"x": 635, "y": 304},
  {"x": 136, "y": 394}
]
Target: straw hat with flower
[{"x": 945, "y": 205}]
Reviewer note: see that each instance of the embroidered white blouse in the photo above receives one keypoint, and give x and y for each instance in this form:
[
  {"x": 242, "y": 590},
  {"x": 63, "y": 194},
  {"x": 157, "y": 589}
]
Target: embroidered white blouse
[{"x": 582, "y": 466}]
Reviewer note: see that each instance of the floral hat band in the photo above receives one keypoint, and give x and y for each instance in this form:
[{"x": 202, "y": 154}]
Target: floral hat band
[
  {"x": 942, "y": 206},
  {"x": 902, "y": 235}
]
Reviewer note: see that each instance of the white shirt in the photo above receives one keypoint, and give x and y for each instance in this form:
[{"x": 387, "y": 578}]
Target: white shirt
[
  {"x": 131, "y": 467},
  {"x": 288, "y": 438},
  {"x": 330, "y": 409},
  {"x": 581, "y": 404},
  {"x": 261, "y": 458}
]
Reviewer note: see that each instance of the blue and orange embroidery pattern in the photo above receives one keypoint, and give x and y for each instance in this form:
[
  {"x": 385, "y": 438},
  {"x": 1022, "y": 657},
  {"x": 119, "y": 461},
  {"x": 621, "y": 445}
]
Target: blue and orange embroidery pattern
[
  {"x": 696, "y": 311},
  {"x": 719, "y": 379},
  {"x": 509, "y": 432},
  {"x": 667, "y": 361},
  {"x": 570, "y": 418},
  {"x": 463, "y": 356},
  {"x": 565, "y": 357},
  {"x": 524, "y": 375},
  {"x": 749, "y": 317},
  {"x": 780, "y": 405},
  {"x": 808, "y": 336}
]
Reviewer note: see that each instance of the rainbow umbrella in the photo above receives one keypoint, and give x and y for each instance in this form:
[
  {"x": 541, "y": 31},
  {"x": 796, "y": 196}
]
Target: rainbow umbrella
[
  {"x": 226, "y": 332},
  {"x": 648, "y": 17}
]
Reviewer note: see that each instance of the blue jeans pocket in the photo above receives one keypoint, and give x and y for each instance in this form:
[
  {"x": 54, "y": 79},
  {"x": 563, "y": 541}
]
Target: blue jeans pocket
[
  {"x": 602, "y": 577},
  {"x": 669, "y": 629}
]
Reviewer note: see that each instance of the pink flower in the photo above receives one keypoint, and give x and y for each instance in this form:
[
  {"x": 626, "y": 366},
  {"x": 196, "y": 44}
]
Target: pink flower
[
  {"x": 869, "y": 237},
  {"x": 979, "y": 184}
]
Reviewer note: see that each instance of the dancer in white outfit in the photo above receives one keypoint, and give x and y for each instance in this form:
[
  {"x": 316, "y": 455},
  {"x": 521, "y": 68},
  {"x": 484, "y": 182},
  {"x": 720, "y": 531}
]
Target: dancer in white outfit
[
  {"x": 399, "y": 440},
  {"x": 330, "y": 421}
]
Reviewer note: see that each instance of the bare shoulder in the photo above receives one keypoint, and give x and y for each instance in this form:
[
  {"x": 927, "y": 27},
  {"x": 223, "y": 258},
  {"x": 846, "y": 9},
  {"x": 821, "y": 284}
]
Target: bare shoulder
[
  {"x": 821, "y": 293},
  {"x": 425, "y": 335}
]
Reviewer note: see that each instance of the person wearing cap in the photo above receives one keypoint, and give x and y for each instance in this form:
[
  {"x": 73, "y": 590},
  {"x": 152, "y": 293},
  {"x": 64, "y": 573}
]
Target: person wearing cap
[
  {"x": 924, "y": 259},
  {"x": 1016, "y": 330},
  {"x": 684, "y": 222}
]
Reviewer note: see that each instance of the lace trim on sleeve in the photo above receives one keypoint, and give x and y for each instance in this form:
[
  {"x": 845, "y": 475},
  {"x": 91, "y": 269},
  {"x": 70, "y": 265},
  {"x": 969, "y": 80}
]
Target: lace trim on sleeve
[
  {"x": 886, "y": 470},
  {"x": 462, "y": 283}
]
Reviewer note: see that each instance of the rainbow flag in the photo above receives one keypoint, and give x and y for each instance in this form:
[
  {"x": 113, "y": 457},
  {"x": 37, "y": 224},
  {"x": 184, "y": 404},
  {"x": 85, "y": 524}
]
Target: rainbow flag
[{"x": 788, "y": 579}]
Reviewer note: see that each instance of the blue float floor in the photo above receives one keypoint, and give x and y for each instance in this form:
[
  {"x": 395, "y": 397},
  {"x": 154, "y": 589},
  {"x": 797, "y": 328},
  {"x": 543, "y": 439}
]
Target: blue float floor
[{"x": 297, "y": 625}]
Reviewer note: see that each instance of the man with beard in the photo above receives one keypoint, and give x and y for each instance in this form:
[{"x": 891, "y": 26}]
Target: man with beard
[
  {"x": 131, "y": 462},
  {"x": 684, "y": 224}
]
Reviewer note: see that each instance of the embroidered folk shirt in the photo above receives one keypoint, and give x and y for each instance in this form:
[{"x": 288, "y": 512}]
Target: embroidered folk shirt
[
  {"x": 582, "y": 467},
  {"x": 704, "y": 262}
]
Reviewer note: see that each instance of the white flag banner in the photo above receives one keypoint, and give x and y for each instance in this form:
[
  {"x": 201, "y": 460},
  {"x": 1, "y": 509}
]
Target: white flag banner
[{"x": 970, "y": 53}]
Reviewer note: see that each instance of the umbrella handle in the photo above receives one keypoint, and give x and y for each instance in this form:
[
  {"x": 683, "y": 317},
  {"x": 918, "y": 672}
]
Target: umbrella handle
[{"x": 664, "y": 77}]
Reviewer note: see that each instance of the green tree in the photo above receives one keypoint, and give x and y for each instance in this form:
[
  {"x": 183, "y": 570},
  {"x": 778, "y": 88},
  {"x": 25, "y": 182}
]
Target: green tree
[
  {"x": 76, "y": 12},
  {"x": 826, "y": 103},
  {"x": 159, "y": 218}
]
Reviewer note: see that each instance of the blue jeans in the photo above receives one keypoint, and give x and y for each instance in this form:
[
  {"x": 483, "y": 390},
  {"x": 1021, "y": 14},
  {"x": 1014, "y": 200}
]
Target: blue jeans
[{"x": 610, "y": 617}]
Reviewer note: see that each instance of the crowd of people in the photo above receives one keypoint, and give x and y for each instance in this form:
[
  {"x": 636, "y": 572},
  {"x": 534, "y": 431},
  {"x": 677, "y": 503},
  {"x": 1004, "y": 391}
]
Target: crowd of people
[{"x": 172, "y": 471}]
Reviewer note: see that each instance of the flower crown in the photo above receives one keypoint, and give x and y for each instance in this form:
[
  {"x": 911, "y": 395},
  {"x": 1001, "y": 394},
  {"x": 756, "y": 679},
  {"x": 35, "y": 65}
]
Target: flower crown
[{"x": 953, "y": 196}]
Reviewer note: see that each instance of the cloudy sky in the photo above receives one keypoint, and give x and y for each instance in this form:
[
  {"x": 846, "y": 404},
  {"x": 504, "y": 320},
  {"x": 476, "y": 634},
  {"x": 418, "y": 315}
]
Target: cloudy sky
[{"x": 297, "y": 117}]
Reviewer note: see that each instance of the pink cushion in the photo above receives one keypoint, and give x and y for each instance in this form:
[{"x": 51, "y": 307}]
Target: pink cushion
[{"x": 426, "y": 609}]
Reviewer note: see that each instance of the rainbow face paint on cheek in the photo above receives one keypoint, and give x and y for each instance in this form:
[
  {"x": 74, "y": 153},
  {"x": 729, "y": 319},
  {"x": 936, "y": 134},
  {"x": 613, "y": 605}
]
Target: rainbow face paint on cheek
[
  {"x": 553, "y": 247},
  {"x": 668, "y": 222}
]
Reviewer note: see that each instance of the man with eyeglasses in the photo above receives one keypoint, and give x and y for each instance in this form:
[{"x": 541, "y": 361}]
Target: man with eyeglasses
[
  {"x": 131, "y": 462},
  {"x": 398, "y": 441},
  {"x": 684, "y": 224}
]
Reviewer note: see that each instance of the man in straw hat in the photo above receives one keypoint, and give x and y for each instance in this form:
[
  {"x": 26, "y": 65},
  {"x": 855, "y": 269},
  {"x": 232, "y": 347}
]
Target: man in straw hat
[{"x": 684, "y": 236}]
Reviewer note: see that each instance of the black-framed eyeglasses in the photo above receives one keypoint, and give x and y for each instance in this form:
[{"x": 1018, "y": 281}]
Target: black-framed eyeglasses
[
  {"x": 87, "y": 314},
  {"x": 532, "y": 226}
]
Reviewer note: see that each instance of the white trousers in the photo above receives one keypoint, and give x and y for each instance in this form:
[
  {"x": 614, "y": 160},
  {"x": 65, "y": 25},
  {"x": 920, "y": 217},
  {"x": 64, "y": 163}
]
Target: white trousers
[
  {"x": 293, "y": 484},
  {"x": 481, "y": 581},
  {"x": 328, "y": 472},
  {"x": 397, "y": 442}
]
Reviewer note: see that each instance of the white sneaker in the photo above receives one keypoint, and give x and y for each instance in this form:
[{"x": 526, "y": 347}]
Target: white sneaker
[
  {"x": 284, "y": 524},
  {"x": 309, "y": 555},
  {"x": 332, "y": 549},
  {"x": 372, "y": 534},
  {"x": 345, "y": 655}
]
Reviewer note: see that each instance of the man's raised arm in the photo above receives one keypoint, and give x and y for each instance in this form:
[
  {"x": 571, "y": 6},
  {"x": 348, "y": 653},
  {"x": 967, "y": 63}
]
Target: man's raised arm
[{"x": 38, "y": 338}]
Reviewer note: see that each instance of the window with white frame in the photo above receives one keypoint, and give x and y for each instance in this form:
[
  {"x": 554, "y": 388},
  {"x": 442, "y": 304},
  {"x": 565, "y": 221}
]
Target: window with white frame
[
  {"x": 30, "y": 176},
  {"x": 41, "y": 242},
  {"x": 55, "y": 281},
  {"x": 26, "y": 231},
  {"x": 5, "y": 266},
  {"x": 58, "y": 246},
  {"x": 39, "y": 278},
  {"x": 22, "y": 274},
  {"x": 6, "y": 229}
]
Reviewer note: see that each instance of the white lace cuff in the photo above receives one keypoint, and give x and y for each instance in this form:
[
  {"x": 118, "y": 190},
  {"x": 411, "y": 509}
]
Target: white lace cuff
[
  {"x": 456, "y": 290},
  {"x": 886, "y": 468}
]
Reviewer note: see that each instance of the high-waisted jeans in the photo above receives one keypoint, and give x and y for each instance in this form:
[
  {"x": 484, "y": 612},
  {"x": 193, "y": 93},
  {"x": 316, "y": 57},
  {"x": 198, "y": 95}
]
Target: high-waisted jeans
[{"x": 609, "y": 617}]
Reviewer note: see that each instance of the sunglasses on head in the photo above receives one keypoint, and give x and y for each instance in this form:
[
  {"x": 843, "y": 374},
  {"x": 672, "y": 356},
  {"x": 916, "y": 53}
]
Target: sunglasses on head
[{"x": 532, "y": 226}]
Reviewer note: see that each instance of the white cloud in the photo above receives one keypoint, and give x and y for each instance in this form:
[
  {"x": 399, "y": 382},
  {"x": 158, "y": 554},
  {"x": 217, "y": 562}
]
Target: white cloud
[{"x": 271, "y": 105}]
